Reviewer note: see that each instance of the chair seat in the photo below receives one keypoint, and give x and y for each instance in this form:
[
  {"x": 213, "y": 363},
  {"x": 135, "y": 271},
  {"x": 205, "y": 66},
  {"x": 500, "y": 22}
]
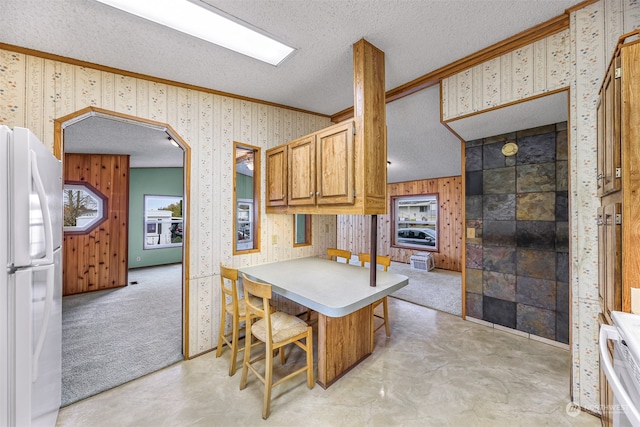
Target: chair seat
[
  {"x": 242, "y": 306},
  {"x": 284, "y": 326}
]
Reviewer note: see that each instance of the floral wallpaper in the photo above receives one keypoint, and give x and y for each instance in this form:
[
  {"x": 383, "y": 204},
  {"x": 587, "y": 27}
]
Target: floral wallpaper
[
  {"x": 35, "y": 91},
  {"x": 537, "y": 68},
  {"x": 576, "y": 58}
]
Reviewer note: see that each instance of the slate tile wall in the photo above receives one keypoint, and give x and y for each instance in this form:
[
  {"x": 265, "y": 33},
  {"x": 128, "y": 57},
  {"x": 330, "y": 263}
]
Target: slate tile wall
[{"x": 517, "y": 266}]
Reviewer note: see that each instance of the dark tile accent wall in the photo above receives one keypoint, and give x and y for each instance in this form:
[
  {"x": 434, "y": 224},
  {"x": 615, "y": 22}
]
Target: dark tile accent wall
[{"x": 517, "y": 266}]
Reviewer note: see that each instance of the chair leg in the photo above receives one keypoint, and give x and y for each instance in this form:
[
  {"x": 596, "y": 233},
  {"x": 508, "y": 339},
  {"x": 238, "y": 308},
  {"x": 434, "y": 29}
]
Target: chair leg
[
  {"x": 246, "y": 359},
  {"x": 309, "y": 345},
  {"x": 268, "y": 379},
  {"x": 386, "y": 317},
  {"x": 234, "y": 345},
  {"x": 222, "y": 322}
]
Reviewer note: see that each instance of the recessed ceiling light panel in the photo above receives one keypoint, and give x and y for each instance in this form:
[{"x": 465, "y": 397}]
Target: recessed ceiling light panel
[{"x": 205, "y": 23}]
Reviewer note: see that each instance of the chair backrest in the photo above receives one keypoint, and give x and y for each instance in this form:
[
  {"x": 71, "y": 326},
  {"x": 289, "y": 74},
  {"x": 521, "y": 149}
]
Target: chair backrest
[
  {"x": 383, "y": 260},
  {"x": 334, "y": 253},
  {"x": 229, "y": 275},
  {"x": 261, "y": 291}
]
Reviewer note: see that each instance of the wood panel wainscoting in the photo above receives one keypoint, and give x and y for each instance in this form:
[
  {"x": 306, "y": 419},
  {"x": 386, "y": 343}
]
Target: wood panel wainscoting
[
  {"x": 97, "y": 259},
  {"x": 354, "y": 231}
]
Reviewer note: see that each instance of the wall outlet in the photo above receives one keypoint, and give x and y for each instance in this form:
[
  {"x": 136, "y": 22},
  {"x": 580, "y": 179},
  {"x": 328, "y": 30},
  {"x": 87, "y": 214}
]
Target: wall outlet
[
  {"x": 138, "y": 259},
  {"x": 471, "y": 233},
  {"x": 326, "y": 228},
  {"x": 274, "y": 239}
]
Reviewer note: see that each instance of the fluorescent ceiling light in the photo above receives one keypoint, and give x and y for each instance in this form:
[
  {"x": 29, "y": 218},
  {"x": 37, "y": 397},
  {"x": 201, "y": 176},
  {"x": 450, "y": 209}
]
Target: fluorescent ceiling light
[{"x": 204, "y": 23}]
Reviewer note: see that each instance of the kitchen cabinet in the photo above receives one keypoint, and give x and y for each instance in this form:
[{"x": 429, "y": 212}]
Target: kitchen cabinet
[
  {"x": 276, "y": 192},
  {"x": 317, "y": 169},
  {"x": 301, "y": 168},
  {"x": 618, "y": 186},
  {"x": 608, "y": 119},
  {"x": 321, "y": 167},
  {"x": 341, "y": 169},
  {"x": 609, "y": 258}
]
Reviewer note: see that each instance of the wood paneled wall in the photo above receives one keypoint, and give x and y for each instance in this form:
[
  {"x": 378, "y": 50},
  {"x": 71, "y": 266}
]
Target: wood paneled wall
[
  {"x": 98, "y": 259},
  {"x": 354, "y": 231}
]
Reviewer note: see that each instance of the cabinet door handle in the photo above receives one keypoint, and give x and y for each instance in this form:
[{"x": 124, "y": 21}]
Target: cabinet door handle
[
  {"x": 310, "y": 193},
  {"x": 283, "y": 197},
  {"x": 318, "y": 193},
  {"x": 599, "y": 177}
]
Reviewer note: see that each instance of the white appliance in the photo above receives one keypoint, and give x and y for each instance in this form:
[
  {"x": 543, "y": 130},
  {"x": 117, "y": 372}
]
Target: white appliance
[
  {"x": 31, "y": 284},
  {"x": 624, "y": 373}
]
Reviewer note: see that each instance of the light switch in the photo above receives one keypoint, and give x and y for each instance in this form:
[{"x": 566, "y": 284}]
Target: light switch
[
  {"x": 274, "y": 239},
  {"x": 471, "y": 233}
]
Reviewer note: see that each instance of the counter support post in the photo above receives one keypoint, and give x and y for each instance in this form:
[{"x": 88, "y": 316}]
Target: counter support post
[{"x": 373, "y": 265}]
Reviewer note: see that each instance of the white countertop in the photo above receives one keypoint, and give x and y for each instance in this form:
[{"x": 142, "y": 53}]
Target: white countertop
[{"x": 328, "y": 287}]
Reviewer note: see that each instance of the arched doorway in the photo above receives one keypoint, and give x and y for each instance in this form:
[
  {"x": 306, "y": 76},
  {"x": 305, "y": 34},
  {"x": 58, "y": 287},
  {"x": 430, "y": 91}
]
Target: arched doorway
[{"x": 146, "y": 144}]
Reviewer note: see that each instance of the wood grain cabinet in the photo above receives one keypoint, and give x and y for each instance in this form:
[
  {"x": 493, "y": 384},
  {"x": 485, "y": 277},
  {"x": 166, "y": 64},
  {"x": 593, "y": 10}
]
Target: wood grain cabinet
[
  {"x": 608, "y": 116},
  {"x": 316, "y": 169},
  {"x": 340, "y": 169},
  {"x": 618, "y": 169},
  {"x": 276, "y": 191}
]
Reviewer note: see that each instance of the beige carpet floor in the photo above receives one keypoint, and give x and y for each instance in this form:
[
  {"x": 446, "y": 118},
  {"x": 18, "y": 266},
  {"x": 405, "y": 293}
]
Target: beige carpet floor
[{"x": 438, "y": 289}]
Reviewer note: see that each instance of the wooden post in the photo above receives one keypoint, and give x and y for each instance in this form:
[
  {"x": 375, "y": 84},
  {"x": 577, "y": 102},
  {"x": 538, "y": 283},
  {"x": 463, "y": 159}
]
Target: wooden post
[{"x": 373, "y": 265}]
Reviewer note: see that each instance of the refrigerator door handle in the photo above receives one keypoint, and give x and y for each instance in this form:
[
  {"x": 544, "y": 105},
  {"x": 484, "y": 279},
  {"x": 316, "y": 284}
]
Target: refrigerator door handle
[
  {"x": 608, "y": 332},
  {"x": 48, "y": 304},
  {"x": 46, "y": 216}
]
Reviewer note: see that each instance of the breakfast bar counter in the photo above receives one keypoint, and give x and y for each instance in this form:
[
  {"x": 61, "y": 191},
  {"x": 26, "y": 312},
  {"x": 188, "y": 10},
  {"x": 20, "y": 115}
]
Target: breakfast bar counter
[{"x": 342, "y": 297}]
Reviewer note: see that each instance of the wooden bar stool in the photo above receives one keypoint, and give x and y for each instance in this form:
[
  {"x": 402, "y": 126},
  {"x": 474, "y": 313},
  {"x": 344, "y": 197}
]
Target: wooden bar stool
[
  {"x": 276, "y": 330},
  {"x": 385, "y": 262},
  {"x": 236, "y": 309},
  {"x": 334, "y": 254}
]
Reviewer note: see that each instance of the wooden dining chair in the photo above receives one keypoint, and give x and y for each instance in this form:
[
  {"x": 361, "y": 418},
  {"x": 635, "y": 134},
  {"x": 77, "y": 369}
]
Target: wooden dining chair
[
  {"x": 334, "y": 254},
  {"x": 385, "y": 262},
  {"x": 275, "y": 330},
  {"x": 235, "y": 307}
]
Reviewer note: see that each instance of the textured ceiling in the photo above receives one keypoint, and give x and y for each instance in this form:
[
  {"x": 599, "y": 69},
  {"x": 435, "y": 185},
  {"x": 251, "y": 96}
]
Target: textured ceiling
[{"x": 417, "y": 36}]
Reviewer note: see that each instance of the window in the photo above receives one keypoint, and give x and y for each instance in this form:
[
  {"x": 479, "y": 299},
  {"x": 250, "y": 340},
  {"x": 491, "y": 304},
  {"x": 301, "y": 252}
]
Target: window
[
  {"x": 84, "y": 207},
  {"x": 246, "y": 191},
  {"x": 415, "y": 222},
  {"x": 162, "y": 221},
  {"x": 301, "y": 230}
]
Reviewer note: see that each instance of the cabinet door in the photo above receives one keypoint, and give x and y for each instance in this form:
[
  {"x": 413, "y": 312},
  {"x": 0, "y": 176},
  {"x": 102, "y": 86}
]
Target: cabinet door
[
  {"x": 600, "y": 148},
  {"x": 335, "y": 158},
  {"x": 276, "y": 191},
  {"x": 602, "y": 260},
  {"x": 612, "y": 113},
  {"x": 302, "y": 171},
  {"x": 613, "y": 258}
]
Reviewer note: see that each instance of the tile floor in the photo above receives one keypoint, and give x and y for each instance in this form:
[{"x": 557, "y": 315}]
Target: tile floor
[{"x": 435, "y": 370}]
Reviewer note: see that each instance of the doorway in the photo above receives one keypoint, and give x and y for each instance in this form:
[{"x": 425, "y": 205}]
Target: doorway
[{"x": 149, "y": 146}]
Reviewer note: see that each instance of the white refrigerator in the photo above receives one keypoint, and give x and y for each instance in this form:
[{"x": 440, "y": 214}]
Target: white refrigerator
[{"x": 31, "y": 284}]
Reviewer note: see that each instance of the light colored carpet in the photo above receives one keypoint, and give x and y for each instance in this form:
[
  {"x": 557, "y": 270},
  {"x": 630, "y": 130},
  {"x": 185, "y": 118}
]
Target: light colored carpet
[
  {"x": 113, "y": 336},
  {"x": 437, "y": 289}
]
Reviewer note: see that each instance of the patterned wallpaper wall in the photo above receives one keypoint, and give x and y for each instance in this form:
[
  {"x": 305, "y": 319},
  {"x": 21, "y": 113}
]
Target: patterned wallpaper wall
[
  {"x": 35, "y": 91},
  {"x": 593, "y": 33},
  {"x": 534, "y": 69}
]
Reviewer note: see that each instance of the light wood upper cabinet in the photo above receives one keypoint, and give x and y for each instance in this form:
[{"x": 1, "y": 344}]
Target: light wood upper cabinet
[
  {"x": 334, "y": 153},
  {"x": 342, "y": 169},
  {"x": 276, "y": 192},
  {"x": 320, "y": 167},
  {"x": 302, "y": 171}
]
